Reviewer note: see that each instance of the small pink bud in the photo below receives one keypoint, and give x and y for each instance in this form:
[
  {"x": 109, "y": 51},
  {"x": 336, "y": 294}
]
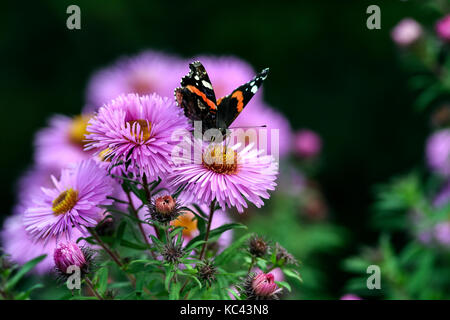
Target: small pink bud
[
  {"x": 307, "y": 144},
  {"x": 264, "y": 284},
  {"x": 165, "y": 204},
  {"x": 443, "y": 28},
  {"x": 68, "y": 254}
]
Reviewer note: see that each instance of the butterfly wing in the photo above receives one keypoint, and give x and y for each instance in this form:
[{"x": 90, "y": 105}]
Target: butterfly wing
[
  {"x": 230, "y": 106},
  {"x": 196, "y": 96}
]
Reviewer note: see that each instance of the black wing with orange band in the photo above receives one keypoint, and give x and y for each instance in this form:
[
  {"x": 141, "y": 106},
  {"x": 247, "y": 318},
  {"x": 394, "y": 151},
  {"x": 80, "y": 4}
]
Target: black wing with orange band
[
  {"x": 230, "y": 106},
  {"x": 196, "y": 96}
]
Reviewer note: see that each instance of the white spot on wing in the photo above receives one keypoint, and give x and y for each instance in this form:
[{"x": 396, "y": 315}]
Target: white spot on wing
[
  {"x": 254, "y": 89},
  {"x": 207, "y": 84}
]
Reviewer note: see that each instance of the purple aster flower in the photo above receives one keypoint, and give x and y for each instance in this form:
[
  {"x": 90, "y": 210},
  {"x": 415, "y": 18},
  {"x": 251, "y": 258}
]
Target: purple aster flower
[
  {"x": 62, "y": 142},
  {"x": 138, "y": 133},
  {"x": 225, "y": 174},
  {"x": 72, "y": 202},
  {"x": 146, "y": 73},
  {"x": 21, "y": 248},
  {"x": 307, "y": 143},
  {"x": 438, "y": 152},
  {"x": 406, "y": 32},
  {"x": 443, "y": 28}
]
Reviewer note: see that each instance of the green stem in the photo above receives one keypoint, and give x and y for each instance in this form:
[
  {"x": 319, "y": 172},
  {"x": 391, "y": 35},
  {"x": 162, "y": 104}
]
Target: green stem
[
  {"x": 91, "y": 286},
  {"x": 208, "y": 229}
]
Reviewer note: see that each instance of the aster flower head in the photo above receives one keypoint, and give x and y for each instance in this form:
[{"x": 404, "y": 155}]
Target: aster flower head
[
  {"x": 145, "y": 73},
  {"x": 137, "y": 133},
  {"x": 225, "y": 174},
  {"x": 172, "y": 252},
  {"x": 443, "y": 28},
  {"x": 62, "y": 142},
  {"x": 438, "y": 152},
  {"x": 406, "y": 32},
  {"x": 73, "y": 201},
  {"x": 260, "y": 286},
  {"x": 70, "y": 254},
  {"x": 207, "y": 271}
]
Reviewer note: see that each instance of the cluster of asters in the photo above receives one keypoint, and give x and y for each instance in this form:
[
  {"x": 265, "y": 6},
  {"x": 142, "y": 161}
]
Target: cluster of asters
[{"x": 128, "y": 129}]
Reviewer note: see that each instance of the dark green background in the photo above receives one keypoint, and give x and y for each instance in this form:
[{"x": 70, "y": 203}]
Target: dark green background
[{"x": 328, "y": 73}]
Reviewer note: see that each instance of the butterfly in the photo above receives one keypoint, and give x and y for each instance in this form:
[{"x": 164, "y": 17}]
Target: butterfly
[{"x": 196, "y": 96}]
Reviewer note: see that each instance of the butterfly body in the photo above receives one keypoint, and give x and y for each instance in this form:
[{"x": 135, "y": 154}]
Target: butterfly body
[{"x": 196, "y": 96}]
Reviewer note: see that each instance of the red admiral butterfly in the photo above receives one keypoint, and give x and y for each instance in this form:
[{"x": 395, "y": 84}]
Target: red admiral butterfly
[{"x": 196, "y": 96}]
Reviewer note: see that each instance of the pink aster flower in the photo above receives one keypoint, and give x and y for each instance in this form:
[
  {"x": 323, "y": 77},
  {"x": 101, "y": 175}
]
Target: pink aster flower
[
  {"x": 406, "y": 32},
  {"x": 143, "y": 74},
  {"x": 62, "y": 142},
  {"x": 21, "y": 248},
  {"x": 225, "y": 174},
  {"x": 68, "y": 254},
  {"x": 443, "y": 28},
  {"x": 72, "y": 202},
  {"x": 438, "y": 152},
  {"x": 137, "y": 131},
  {"x": 307, "y": 143}
]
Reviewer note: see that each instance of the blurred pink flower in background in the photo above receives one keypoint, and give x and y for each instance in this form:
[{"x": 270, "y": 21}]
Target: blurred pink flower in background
[
  {"x": 350, "y": 296},
  {"x": 438, "y": 152},
  {"x": 443, "y": 197},
  {"x": 443, "y": 28},
  {"x": 307, "y": 143},
  {"x": 406, "y": 32},
  {"x": 62, "y": 142},
  {"x": 442, "y": 233},
  {"x": 145, "y": 73}
]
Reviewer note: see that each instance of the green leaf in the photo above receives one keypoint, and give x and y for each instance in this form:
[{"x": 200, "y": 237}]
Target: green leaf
[
  {"x": 217, "y": 232},
  {"x": 284, "y": 284},
  {"x": 230, "y": 252},
  {"x": 174, "y": 293},
  {"x": 132, "y": 245},
  {"x": 25, "y": 268},
  {"x": 102, "y": 279},
  {"x": 26, "y": 294},
  {"x": 292, "y": 274},
  {"x": 169, "y": 275}
]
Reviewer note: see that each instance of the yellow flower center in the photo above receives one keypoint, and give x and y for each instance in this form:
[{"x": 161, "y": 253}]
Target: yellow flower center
[
  {"x": 220, "y": 159},
  {"x": 64, "y": 202},
  {"x": 187, "y": 221},
  {"x": 78, "y": 130},
  {"x": 144, "y": 132},
  {"x": 105, "y": 155}
]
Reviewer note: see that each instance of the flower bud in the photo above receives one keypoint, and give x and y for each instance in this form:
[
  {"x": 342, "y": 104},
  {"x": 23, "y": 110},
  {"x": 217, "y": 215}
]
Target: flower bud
[
  {"x": 264, "y": 285},
  {"x": 406, "y": 32},
  {"x": 68, "y": 254},
  {"x": 164, "y": 209},
  {"x": 258, "y": 247}
]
